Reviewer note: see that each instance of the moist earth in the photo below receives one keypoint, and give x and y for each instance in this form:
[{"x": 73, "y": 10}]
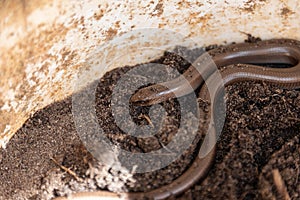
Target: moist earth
[{"x": 257, "y": 150}]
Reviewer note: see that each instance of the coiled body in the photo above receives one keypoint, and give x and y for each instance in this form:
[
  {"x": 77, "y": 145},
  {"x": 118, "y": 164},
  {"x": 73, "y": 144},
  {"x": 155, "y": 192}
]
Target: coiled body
[{"x": 242, "y": 64}]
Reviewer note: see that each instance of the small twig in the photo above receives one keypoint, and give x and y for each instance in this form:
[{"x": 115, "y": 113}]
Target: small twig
[
  {"x": 147, "y": 118},
  {"x": 202, "y": 100},
  {"x": 297, "y": 167},
  {"x": 280, "y": 186},
  {"x": 248, "y": 34},
  {"x": 69, "y": 171},
  {"x": 293, "y": 118},
  {"x": 162, "y": 144}
]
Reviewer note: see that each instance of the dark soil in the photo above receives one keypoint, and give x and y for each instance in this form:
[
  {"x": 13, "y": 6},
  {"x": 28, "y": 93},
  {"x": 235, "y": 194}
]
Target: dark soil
[{"x": 260, "y": 136}]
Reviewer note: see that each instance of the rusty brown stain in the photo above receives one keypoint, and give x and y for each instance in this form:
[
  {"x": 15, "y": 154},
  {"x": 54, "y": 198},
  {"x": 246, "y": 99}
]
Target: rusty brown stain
[
  {"x": 117, "y": 24},
  {"x": 158, "y": 10},
  {"x": 14, "y": 61},
  {"x": 184, "y": 4},
  {"x": 160, "y": 25},
  {"x": 201, "y": 22},
  {"x": 198, "y": 3},
  {"x": 195, "y": 19},
  {"x": 110, "y": 33},
  {"x": 251, "y": 5},
  {"x": 81, "y": 20},
  {"x": 68, "y": 58},
  {"x": 99, "y": 14},
  {"x": 286, "y": 12}
]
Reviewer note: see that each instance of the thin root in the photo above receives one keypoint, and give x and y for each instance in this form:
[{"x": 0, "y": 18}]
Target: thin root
[
  {"x": 280, "y": 186},
  {"x": 69, "y": 171},
  {"x": 147, "y": 118}
]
